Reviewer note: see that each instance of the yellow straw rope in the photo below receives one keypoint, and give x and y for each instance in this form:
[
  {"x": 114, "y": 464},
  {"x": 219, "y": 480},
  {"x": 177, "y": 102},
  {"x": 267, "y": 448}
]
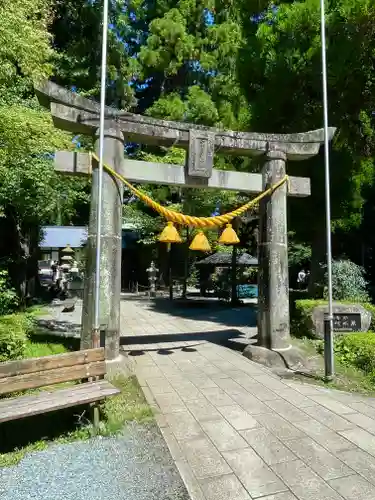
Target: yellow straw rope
[{"x": 189, "y": 220}]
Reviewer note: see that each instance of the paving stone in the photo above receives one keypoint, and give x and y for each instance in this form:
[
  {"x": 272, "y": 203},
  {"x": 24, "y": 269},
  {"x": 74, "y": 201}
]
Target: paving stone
[
  {"x": 260, "y": 391},
  {"x": 170, "y": 402},
  {"x": 226, "y": 487},
  {"x": 159, "y": 385},
  {"x": 306, "y": 389},
  {"x": 201, "y": 382},
  {"x": 361, "y": 438},
  {"x": 238, "y": 417},
  {"x": 279, "y": 426},
  {"x": 188, "y": 392},
  {"x": 150, "y": 371},
  {"x": 223, "y": 435},
  {"x": 295, "y": 398},
  {"x": 363, "y": 421},
  {"x": 272, "y": 383},
  {"x": 287, "y": 495},
  {"x": 327, "y": 438},
  {"x": 190, "y": 480},
  {"x": 224, "y": 365},
  {"x": 251, "y": 404},
  {"x": 268, "y": 447},
  {"x": 361, "y": 462},
  {"x": 254, "y": 474},
  {"x": 364, "y": 408},
  {"x": 328, "y": 418},
  {"x": 204, "y": 458},
  {"x": 172, "y": 444},
  {"x": 319, "y": 459},
  {"x": 183, "y": 425},
  {"x": 203, "y": 410},
  {"x": 217, "y": 396},
  {"x": 230, "y": 386},
  {"x": 332, "y": 405},
  {"x": 304, "y": 482},
  {"x": 354, "y": 488},
  {"x": 287, "y": 410},
  {"x": 210, "y": 369}
]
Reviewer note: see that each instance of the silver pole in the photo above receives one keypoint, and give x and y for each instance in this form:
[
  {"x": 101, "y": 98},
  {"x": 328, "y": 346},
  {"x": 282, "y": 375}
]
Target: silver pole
[
  {"x": 328, "y": 330},
  {"x": 96, "y": 332}
]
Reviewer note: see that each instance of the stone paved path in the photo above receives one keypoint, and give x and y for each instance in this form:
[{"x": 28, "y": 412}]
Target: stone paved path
[
  {"x": 238, "y": 432},
  {"x": 235, "y": 430}
]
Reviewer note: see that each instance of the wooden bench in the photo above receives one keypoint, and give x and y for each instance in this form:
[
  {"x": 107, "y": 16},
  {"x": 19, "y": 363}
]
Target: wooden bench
[{"x": 34, "y": 373}]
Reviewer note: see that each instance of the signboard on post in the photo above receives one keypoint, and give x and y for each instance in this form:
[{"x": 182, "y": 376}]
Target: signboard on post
[{"x": 347, "y": 322}]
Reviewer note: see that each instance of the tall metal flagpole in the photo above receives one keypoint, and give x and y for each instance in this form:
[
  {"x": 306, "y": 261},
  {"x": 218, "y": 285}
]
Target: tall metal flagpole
[
  {"x": 103, "y": 78},
  {"x": 328, "y": 324}
]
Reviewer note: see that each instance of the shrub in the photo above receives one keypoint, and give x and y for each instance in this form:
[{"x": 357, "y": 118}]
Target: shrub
[
  {"x": 357, "y": 350},
  {"x": 9, "y": 300},
  {"x": 348, "y": 282},
  {"x": 14, "y": 330},
  {"x": 302, "y": 310}
]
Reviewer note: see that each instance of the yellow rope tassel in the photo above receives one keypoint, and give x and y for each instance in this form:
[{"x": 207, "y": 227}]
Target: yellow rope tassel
[
  {"x": 200, "y": 242},
  {"x": 188, "y": 220},
  {"x": 170, "y": 234},
  {"x": 229, "y": 236}
]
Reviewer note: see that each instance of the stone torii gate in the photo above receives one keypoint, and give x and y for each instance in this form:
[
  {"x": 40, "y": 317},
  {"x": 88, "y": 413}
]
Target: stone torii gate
[{"x": 79, "y": 115}]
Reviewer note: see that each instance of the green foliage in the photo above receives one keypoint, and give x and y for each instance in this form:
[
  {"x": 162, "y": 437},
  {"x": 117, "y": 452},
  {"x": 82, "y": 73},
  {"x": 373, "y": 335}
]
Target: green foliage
[
  {"x": 14, "y": 330},
  {"x": 357, "y": 350},
  {"x": 24, "y": 40},
  {"x": 9, "y": 300},
  {"x": 302, "y": 311},
  {"x": 348, "y": 282}
]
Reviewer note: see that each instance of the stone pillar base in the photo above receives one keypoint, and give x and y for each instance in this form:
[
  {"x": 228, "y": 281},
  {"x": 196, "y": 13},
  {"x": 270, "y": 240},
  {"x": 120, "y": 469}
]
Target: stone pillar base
[{"x": 280, "y": 360}]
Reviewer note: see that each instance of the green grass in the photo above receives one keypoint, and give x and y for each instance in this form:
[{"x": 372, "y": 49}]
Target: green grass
[
  {"x": 36, "y": 349},
  {"x": 347, "y": 378}
]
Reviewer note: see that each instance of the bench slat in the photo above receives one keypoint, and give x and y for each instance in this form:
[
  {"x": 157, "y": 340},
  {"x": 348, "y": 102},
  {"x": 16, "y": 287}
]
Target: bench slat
[
  {"x": 47, "y": 401},
  {"x": 51, "y": 377},
  {"x": 33, "y": 365}
]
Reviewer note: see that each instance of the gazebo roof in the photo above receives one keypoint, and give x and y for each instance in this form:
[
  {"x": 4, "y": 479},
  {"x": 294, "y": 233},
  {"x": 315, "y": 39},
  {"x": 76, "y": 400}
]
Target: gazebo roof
[{"x": 225, "y": 259}]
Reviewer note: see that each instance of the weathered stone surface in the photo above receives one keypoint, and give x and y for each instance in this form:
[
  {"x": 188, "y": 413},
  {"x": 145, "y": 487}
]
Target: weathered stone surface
[
  {"x": 81, "y": 114},
  {"x": 317, "y": 316},
  {"x": 273, "y": 282},
  {"x": 73, "y": 162},
  {"x": 110, "y": 261},
  {"x": 201, "y": 153}
]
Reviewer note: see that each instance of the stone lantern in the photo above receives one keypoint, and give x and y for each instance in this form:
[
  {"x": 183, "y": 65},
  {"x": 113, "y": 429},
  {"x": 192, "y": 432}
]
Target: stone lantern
[
  {"x": 67, "y": 258},
  {"x": 152, "y": 277}
]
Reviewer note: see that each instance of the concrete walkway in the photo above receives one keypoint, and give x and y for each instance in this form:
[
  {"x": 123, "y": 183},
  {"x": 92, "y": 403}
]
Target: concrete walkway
[{"x": 238, "y": 432}]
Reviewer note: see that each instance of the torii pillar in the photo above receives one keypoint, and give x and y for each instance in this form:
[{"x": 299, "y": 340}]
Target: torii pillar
[{"x": 80, "y": 115}]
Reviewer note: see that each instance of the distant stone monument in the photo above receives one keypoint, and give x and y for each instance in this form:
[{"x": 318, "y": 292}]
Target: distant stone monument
[{"x": 79, "y": 115}]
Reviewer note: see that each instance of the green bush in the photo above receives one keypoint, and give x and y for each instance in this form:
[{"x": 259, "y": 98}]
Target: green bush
[
  {"x": 302, "y": 310},
  {"x": 14, "y": 330},
  {"x": 9, "y": 300},
  {"x": 357, "y": 350},
  {"x": 348, "y": 282}
]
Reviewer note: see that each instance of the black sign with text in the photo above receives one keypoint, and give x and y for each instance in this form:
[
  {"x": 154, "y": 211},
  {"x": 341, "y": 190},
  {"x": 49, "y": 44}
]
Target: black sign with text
[{"x": 347, "y": 322}]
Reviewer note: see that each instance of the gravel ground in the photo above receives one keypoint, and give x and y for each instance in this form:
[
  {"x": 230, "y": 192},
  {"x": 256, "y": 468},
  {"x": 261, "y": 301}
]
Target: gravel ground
[{"x": 133, "y": 466}]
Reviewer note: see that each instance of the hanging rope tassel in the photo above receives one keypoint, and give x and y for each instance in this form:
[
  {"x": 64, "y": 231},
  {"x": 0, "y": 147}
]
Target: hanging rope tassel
[
  {"x": 229, "y": 236},
  {"x": 200, "y": 242},
  {"x": 170, "y": 234}
]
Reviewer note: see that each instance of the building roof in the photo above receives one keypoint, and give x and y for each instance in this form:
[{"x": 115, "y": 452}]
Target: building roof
[
  {"x": 61, "y": 236},
  {"x": 225, "y": 259}
]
